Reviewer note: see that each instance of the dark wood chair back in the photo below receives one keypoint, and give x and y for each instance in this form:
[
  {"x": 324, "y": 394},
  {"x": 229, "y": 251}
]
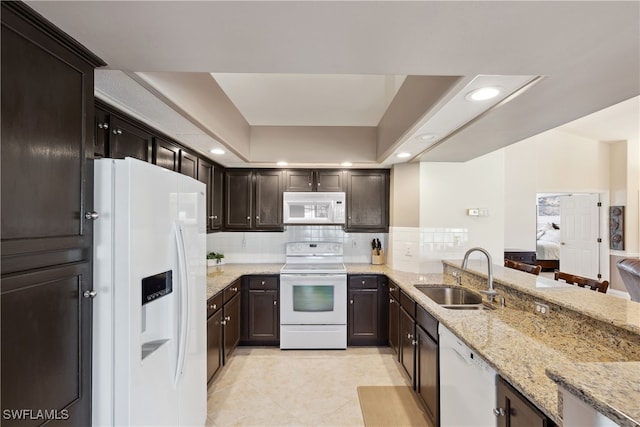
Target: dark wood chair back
[
  {"x": 583, "y": 282},
  {"x": 528, "y": 268}
]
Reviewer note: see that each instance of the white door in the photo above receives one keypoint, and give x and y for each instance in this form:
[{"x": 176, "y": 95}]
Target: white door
[
  {"x": 579, "y": 231},
  {"x": 192, "y": 380}
]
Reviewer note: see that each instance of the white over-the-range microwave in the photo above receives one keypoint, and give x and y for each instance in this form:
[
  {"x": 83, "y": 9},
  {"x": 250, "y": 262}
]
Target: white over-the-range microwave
[{"x": 314, "y": 207}]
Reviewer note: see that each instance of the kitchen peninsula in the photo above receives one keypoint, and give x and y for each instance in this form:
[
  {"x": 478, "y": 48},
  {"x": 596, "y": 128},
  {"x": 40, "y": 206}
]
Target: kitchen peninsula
[{"x": 534, "y": 353}]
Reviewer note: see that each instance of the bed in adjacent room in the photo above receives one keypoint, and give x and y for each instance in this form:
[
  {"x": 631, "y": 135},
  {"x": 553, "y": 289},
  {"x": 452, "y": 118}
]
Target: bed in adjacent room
[{"x": 548, "y": 247}]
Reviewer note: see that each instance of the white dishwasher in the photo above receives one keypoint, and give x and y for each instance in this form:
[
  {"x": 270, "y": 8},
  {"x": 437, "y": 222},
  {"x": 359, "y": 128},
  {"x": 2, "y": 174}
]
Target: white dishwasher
[{"x": 467, "y": 385}]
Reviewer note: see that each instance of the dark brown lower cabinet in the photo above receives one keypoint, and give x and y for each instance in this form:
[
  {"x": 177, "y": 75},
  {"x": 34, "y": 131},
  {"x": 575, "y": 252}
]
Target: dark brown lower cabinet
[
  {"x": 46, "y": 344},
  {"x": 223, "y": 327},
  {"x": 261, "y": 310},
  {"x": 231, "y": 322},
  {"x": 367, "y": 317},
  {"x": 394, "y": 317},
  {"x": 427, "y": 364},
  {"x": 516, "y": 410},
  {"x": 214, "y": 343},
  {"x": 264, "y": 325},
  {"x": 362, "y": 314},
  {"x": 407, "y": 344}
]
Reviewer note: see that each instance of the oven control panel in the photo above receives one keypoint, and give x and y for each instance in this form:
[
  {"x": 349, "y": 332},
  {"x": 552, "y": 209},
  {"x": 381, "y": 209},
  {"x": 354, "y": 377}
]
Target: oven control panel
[{"x": 314, "y": 249}]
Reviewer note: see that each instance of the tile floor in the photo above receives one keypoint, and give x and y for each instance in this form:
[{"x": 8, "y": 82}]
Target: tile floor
[{"x": 265, "y": 386}]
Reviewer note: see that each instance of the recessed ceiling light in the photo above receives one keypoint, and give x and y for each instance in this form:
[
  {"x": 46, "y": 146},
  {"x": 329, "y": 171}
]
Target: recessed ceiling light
[
  {"x": 281, "y": 163},
  {"x": 483, "y": 93},
  {"x": 217, "y": 151},
  {"x": 403, "y": 155},
  {"x": 426, "y": 137},
  {"x": 347, "y": 164}
]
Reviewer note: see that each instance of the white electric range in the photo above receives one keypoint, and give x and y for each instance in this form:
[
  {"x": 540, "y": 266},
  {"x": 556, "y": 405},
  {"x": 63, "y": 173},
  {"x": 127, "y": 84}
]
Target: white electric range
[{"x": 313, "y": 297}]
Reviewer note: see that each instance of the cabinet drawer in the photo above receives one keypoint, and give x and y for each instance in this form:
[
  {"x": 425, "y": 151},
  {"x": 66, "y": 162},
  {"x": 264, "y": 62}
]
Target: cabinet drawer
[
  {"x": 427, "y": 322},
  {"x": 408, "y": 304},
  {"x": 231, "y": 290},
  {"x": 363, "y": 282},
  {"x": 261, "y": 282},
  {"x": 214, "y": 304}
]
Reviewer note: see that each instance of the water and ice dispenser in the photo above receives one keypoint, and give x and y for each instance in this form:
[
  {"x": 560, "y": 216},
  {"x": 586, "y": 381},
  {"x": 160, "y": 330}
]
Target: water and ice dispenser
[{"x": 155, "y": 316}]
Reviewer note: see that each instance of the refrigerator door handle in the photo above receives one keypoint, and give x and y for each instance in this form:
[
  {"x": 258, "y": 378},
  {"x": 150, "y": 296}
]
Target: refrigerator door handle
[{"x": 183, "y": 310}]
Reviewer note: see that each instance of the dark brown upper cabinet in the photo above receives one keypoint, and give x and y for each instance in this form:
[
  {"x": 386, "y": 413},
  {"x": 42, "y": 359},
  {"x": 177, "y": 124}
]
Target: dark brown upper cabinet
[
  {"x": 100, "y": 132},
  {"x": 128, "y": 140},
  {"x": 205, "y": 175},
  {"x": 238, "y": 197},
  {"x": 268, "y": 200},
  {"x": 253, "y": 199},
  {"x": 188, "y": 164},
  {"x": 368, "y": 200},
  {"x": 217, "y": 197},
  {"x": 166, "y": 154},
  {"x": 314, "y": 180}
]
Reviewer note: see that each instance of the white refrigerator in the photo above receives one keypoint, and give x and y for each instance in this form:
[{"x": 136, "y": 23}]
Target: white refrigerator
[{"x": 149, "y": 312}]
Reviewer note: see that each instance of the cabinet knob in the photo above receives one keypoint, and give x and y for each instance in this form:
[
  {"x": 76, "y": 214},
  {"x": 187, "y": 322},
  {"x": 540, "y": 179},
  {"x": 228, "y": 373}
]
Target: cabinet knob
[
  {"x": 213, "y": 306},
  {"x": 93, "y": 215},
  {"x": 318, "y": 184},
  {"x": 409, "y": 336},
  {"x": 350, "y": 301},
  {"x": 117, "y": 131},
  {"x": 363, "y": 282},
  {"x": 499, "y": 412},
  {"x": 392, "y": 289},
  {"x": 275, "y": 302},
  {"x": 90, "y": 294},
  {"x": 228, "y": 318},
  {"x": 222, "y": 322},
  {"x": 309, "y": 184},
  {"x": 234, "y": 289},
  {"x": 262, "y": 282},
  {"x": 212, "y": 217},
  {"x": 414, "y": 342},
  {"x": 248, "y": 218},
  {"x": 391, "y": 301},
  {"x": 103, "y": 125},
  {"x": 257, "y": 218},
  {"x": 215, "y": 217}
]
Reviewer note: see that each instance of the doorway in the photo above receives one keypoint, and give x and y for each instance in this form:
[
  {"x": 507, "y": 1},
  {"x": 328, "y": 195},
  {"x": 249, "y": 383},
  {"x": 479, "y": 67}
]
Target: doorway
[{"x": 568, "y": 233}]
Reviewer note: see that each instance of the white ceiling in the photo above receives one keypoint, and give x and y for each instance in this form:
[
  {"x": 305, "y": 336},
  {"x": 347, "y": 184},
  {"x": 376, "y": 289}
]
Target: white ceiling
[
  {"x": 587, "y": 51},
  {"x": 310, "y": 99}
]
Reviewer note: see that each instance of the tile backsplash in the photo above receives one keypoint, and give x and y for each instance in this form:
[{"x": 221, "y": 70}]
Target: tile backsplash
[
  {"x": 413, "y": 249},
  {"x": 422, "y": 249},
  {"x": 269, "y": 247}
]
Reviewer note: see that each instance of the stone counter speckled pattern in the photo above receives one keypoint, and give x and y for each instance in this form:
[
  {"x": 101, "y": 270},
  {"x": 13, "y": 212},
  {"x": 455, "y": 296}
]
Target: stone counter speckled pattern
[
  {"x": 514, "y": 342},
  {"x": 608, "y": 387},
  {"x": 220, "y": 276}
]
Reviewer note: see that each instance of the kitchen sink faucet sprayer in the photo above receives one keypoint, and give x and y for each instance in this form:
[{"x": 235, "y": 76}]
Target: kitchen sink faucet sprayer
[{"x": 491, "y": 293}]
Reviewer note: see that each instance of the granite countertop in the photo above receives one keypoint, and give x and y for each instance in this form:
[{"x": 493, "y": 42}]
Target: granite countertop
[
  {"x": 608, "y": 387},
  {"x": 511, "y": 340}
]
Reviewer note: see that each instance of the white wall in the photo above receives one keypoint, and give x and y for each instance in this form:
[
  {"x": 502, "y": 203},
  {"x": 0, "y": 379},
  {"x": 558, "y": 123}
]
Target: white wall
[
  {"x": 447, "y": 191},
  {"x": 520, "y": 188},
  {"x": 552, "y": 162}
]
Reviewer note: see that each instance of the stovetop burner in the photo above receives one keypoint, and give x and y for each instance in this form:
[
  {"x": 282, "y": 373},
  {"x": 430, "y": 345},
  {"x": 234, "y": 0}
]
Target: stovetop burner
[{"x": 314, "y": 258}]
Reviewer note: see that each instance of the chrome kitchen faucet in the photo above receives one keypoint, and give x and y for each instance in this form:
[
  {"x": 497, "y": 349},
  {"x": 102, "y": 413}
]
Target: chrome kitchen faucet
[{"x": 491, "y": 293}]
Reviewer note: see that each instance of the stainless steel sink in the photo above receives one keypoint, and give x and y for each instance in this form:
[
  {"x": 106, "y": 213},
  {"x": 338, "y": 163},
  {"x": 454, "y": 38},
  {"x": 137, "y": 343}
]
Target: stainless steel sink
[
  {"x": 482, "y": 306},
  {"x": 455, "y": 298}
]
